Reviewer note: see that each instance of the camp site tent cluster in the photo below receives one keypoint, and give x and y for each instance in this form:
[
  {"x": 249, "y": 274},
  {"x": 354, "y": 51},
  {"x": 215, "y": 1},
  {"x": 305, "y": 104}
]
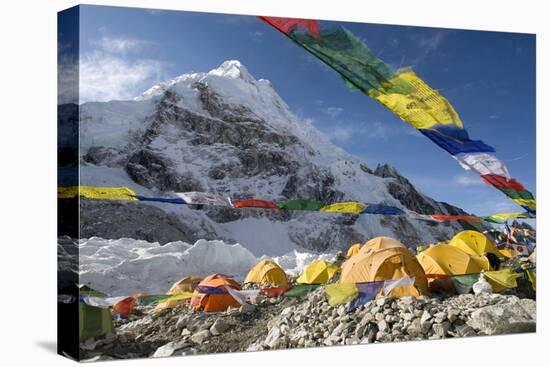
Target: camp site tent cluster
[{"x": 378, "y": 261}]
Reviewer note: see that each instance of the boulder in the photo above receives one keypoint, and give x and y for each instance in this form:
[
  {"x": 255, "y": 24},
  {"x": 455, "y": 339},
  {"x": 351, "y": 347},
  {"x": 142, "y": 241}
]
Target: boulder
[{"x": 504, "y": 318}]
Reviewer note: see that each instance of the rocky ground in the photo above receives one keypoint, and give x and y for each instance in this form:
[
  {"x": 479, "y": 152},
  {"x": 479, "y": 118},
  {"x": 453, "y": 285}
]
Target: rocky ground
[{"x": 280, "y": 323}]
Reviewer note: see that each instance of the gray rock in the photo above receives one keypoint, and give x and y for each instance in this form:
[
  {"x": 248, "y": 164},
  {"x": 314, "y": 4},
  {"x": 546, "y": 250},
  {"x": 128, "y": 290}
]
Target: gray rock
[
  {"x": 415, "y": 328},
  {"x": 219, "y": 326},
  {"x": 383, "y": 326},
  {"x": 169, "y": 349},
  {"x": 530, "y": 307},
  {"x": 452, "y": 315},
  {"x": 247, "y": 308},
  {"x": 341, "y": 310},
  {"x": 425, "y": 326},
  {"x": 200, "y": 337},
  {"x": 425, "y": 316},
  {"x": 502, "y": 319},
  {"x": 287, "y": 311},
  {"x": 465, "y": 331},
  {"x": 442, "y": 329},
  {"x": 338, "y": 329},
  {"x": 273, "y": 337},
  {"x": 439, "y": 317},
  {"x": 182, "y": 322}
]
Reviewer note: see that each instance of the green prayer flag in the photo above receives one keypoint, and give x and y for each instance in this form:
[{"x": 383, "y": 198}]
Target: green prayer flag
[{"x": 301, "y": 290}]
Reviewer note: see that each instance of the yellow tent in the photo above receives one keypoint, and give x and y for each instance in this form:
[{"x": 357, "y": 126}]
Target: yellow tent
[
  {"x": 474, "y": 243},
  {"x": 353, "y": 250},
  {"x": 267, "y": 272},
  {"x": 449, "y": 260},
  {"x": 386, "y": 264},
  {"x": 184, "y": 285},
  {"x": 318, "y": 272},
  {"x": 378, "y": 243}
]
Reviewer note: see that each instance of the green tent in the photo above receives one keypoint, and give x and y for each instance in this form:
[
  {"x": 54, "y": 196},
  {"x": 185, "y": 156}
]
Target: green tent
[
  {"x": 301, "y": 204},
  {"x": 93, "y": 321}
]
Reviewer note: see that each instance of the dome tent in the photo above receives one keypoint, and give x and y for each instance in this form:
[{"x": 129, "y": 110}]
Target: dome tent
[
  {"x": 318, "y": 272},
  {"x": 185, "y": 284},
  {"x": 451, "y": 260},
  {"x": 354, "y": 249},
  {"x": 474, "y": 243},
  {"x": 386, "y": 264},
  {"x": 216, "y": 299},
  {"x": 381, "y": 242},
  {"x": 267, "y": 272}
]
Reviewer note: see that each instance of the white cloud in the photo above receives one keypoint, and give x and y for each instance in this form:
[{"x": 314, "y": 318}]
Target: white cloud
[
  {"x": 376, "y": 130},
  {"x": 428, "y": 44},
  {"x": 67, "y": 81},
  {"x": 119, "y": 45},
  {"x": 110, "y": 73},
  {"x": 257, "y": 36},
  {"x": 332, "y": 112},
  {"x": 467, "y": 180},
  {"x": 341, "y": 133}
]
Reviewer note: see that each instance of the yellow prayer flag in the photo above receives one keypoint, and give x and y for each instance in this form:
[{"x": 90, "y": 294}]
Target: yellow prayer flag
[
  {"x": 181, "y": 296},
  {"x": 90, "y": 192},
  {"x": 345, "y": 207},
  {"x": 414, "y": 101},
  {"x": 502, "y": 279},
  {"x": 531, "y": 204},
  {"x": 340, "y": 293},
  {"x": 532, "y": 278},
  {"x": 504, "y": 216}
]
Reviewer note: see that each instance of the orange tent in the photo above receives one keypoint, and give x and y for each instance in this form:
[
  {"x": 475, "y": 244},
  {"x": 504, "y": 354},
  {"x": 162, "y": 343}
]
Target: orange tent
[
  {"x": 378, "y": 243},
  {"x": 211, "y": 300},
  {"x": 386, "y": 264}
]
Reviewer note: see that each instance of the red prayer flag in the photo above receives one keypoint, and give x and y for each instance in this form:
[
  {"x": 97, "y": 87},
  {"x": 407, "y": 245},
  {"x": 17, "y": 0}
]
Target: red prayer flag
[
  {"x": 275, "y": 292},
  {"x": 125, "y": 307},
  {"x": 287, "y": 25},
  {"x": 501, "y": 182},
  {"x": 255, "y": 203},
  {"x": 466, "y": 218}
]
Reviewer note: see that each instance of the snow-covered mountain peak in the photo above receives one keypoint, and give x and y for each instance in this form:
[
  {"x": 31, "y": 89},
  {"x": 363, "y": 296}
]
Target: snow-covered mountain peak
[
  {"x": 224, "y": 131},
  {"x": 232, "y": 69},
  {"x": 229, "y": 69}
]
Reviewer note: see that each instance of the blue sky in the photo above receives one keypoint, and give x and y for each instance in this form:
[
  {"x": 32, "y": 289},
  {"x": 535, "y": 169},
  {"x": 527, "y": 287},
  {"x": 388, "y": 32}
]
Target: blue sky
[{"x": 489, "y": 77}]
